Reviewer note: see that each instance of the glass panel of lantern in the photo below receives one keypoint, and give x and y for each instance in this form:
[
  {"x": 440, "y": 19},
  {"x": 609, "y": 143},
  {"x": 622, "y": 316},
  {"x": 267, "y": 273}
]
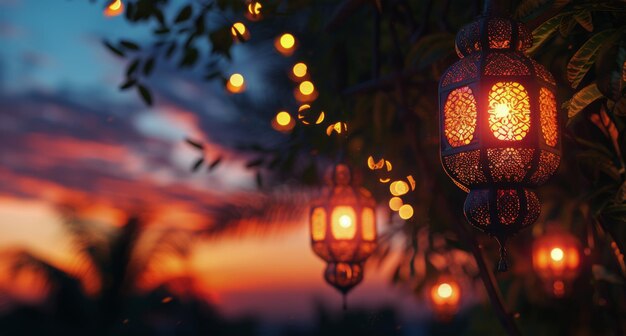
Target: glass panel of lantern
[
  {"x": 499, "y": 126},
  {"x": 556, "y": 259},
  {"x": 343, "y": 229}
]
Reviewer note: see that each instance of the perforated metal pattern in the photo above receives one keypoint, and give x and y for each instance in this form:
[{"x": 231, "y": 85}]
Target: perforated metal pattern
[
  {"x": 460, "y": 117},
  {"x": 477, "y": 208},
  {"x": 505, "y": 64},
  {"x": 509, "y": 111},
  {"x": 344, "y": 276},
  {"x": 466, "y": 167},
  {"x": 462, "y": 70},
  {"x": 508, "y": 204},
  {"x": 548, "y": 164},
  {"x": 549, "y": 123},
  {"x": 514, "y": 209},
  {"x": 544, "y": 74},
  {"x": 533, "y": 207},
  {"x": 509, "y": 164},
  {"x": 499, "y": 33}
]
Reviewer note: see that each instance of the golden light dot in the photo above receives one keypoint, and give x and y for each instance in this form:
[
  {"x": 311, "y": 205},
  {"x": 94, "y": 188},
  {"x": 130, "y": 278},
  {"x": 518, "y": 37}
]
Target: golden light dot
[
  {"x": 320, "y": 118},
  {"x": 444, "y": 290},
  {"x": 287, "y": 41},
  {"x": 255, "y": 8},
  {"x": 283, "y": 118},
  {"x": 306, "y": 88},
  {"x": 398, "y": 188},
  {"x": 238, "y": 27},
  {"x": 557, "y": 254},
  {"x": 405, "y": 211},
  {"x": 115, "y": 5},
  {"x": 345, "y": 221},
  {"x": 299, "y": 70},
  {"x": 236, "y": 80},
  {"x": 395, "y": 203}
]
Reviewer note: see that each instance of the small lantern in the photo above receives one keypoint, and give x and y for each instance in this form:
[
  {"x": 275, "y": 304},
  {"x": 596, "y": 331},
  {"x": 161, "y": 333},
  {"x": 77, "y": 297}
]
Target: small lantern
[
  {"x": 499, "y": 126},
  {"x": 445, "y": 298},
  {"x": 343, "y": 230},
  {"x": 556, "y": 259},
  {"x": 285, "y": 44}
]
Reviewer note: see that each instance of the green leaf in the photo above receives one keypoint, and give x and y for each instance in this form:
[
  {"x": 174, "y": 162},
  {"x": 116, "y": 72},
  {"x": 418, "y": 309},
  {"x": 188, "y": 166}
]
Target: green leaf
[
  {"x": 113, "y": 49},
  {"x": 584, "y": 19},
  {"x": 184, "y": 14},
  {"x": 567, "y": 24},
  {"x": 129, "y": 45},
  {"x": 544, "y": 32},
  {"x": 582, "y": 98},
  {"x": 584, "y": 58},
  {"x": 145, "y": 94}
]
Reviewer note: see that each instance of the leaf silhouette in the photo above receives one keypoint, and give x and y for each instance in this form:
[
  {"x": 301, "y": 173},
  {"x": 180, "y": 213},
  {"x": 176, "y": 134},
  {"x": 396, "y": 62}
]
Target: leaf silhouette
[
  {"x": 113, "y": 49},
  {"x": 145, "y": 94},
  {"x": 195, "y": 144},
  {"x": 544, "y": 32},
  {"x": 197, "y": 165},
  {"x": 184, "y": 14},
  {"x": 129, "y": 45},
  {"x": 582, "y": 98},
  {"x": 215, "y": 163},
  {"x": 584, "y": 19},
  {"x": 584, "y": 58}
]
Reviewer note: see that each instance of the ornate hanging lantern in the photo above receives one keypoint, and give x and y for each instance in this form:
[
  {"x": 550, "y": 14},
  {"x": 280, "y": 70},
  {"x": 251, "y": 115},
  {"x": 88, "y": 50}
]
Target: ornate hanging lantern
[
  {"x": 343, "y": 230},
  {"x": 556, "y": 259},
  {"x": 499, "y": 126},
  {"x": 444, "y": 297}
]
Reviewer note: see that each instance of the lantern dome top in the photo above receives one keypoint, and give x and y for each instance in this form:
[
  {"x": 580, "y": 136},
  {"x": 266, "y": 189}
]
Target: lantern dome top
[{"x": 491, "y": 33}]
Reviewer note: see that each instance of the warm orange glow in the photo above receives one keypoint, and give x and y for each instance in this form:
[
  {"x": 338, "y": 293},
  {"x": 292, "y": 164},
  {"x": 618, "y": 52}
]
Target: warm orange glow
[
  {"x": 239, "y": 32},
  {"x": 398, "y": 188},
  {"x": 299, "y": 70},
  {"x": 283, "y": 122},
  {"x": 318, "y": 224},
  {"x": 368, "y": 225},
  {"x": 548, "y": 116},
  {"x": 115, "y": 8},
  {"x": 306, "y": 88},
  {"x": 338, "y": 127},
  {"x": 253, "y": 12},
  {"x": 406, "y": 211},
  {"x": 373, "y": 165},
  {"x": 285, "y": 44},
  {"x": 556, "y": 254},
  {"x": 445, "y": 294},
  {"x": 509, "y": 111},
  {"x": 460, "y": 117},
  {"x": 395, "y": 203},
  {"x": 236, "y": 83},
  {"x": 308, "y": 116},
  {"x": 342, "y": 222}
]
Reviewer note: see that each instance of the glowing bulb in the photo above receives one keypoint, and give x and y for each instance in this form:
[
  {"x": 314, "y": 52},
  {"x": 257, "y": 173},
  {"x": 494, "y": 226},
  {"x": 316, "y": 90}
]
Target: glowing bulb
[
  {"x": 444, "y": 290},
  {"x": 398, "y": 188},
  {"x": 236, "y": 80},
  {"x": 115, "y": 8},
  {"x": 502, "y": 110},
  {"x": 299, "y": 70},
  {"x": 254, "y": 8},
  {"x": 345, "y": 221},
  {"x": 395, "y": 203},
  {"x": 406, "y": 211},
  {"x": 238, "y": 27},
  {"x": 283, "y": 118},
  {"x": 287, "y": 41},
  {"x": 556, "y": 254},
  {"x": 306, "y": 88}
]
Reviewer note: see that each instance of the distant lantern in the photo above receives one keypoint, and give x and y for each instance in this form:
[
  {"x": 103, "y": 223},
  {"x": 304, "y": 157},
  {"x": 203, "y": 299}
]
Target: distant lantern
[
  {"x": 240, "y": 32},
  {"x": 305, "y": 92},
  {"x": 299, "y": 72},
  {"x": 114, "y": 8},
  {"x": 499, "y": 126},
  {"x": 445, "y": 298},
  {"x": 285, "y": 44},
  {"x": 236, "y": 83},
  {"x": 343, "y": 230},
  {"x": 254, "y": 10},
  {"x": 556, "y": 259}
]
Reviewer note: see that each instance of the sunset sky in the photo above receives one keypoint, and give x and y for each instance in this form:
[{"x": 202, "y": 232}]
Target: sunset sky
[{"x": 68, "y": 135}]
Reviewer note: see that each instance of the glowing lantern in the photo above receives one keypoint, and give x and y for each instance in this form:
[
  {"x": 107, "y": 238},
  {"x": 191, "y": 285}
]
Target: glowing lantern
[
  {"x": 299, "y": 72},
  {"x": 283, "y": 122},
  {"x": 343, "y": 230},
  {"x": 556, "y": 259},
  {"x": 239, "y": 32},
  {"x": 308, "y": 116},
  {"x": 115, "y": 8},
  {"x": 253, "y": 10},
  {"x": 236, "y": 83},
  {"x": 445, "y": 297},
  {"x": 499, "y": 126},
  {"x": 285, "y": 44}
]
